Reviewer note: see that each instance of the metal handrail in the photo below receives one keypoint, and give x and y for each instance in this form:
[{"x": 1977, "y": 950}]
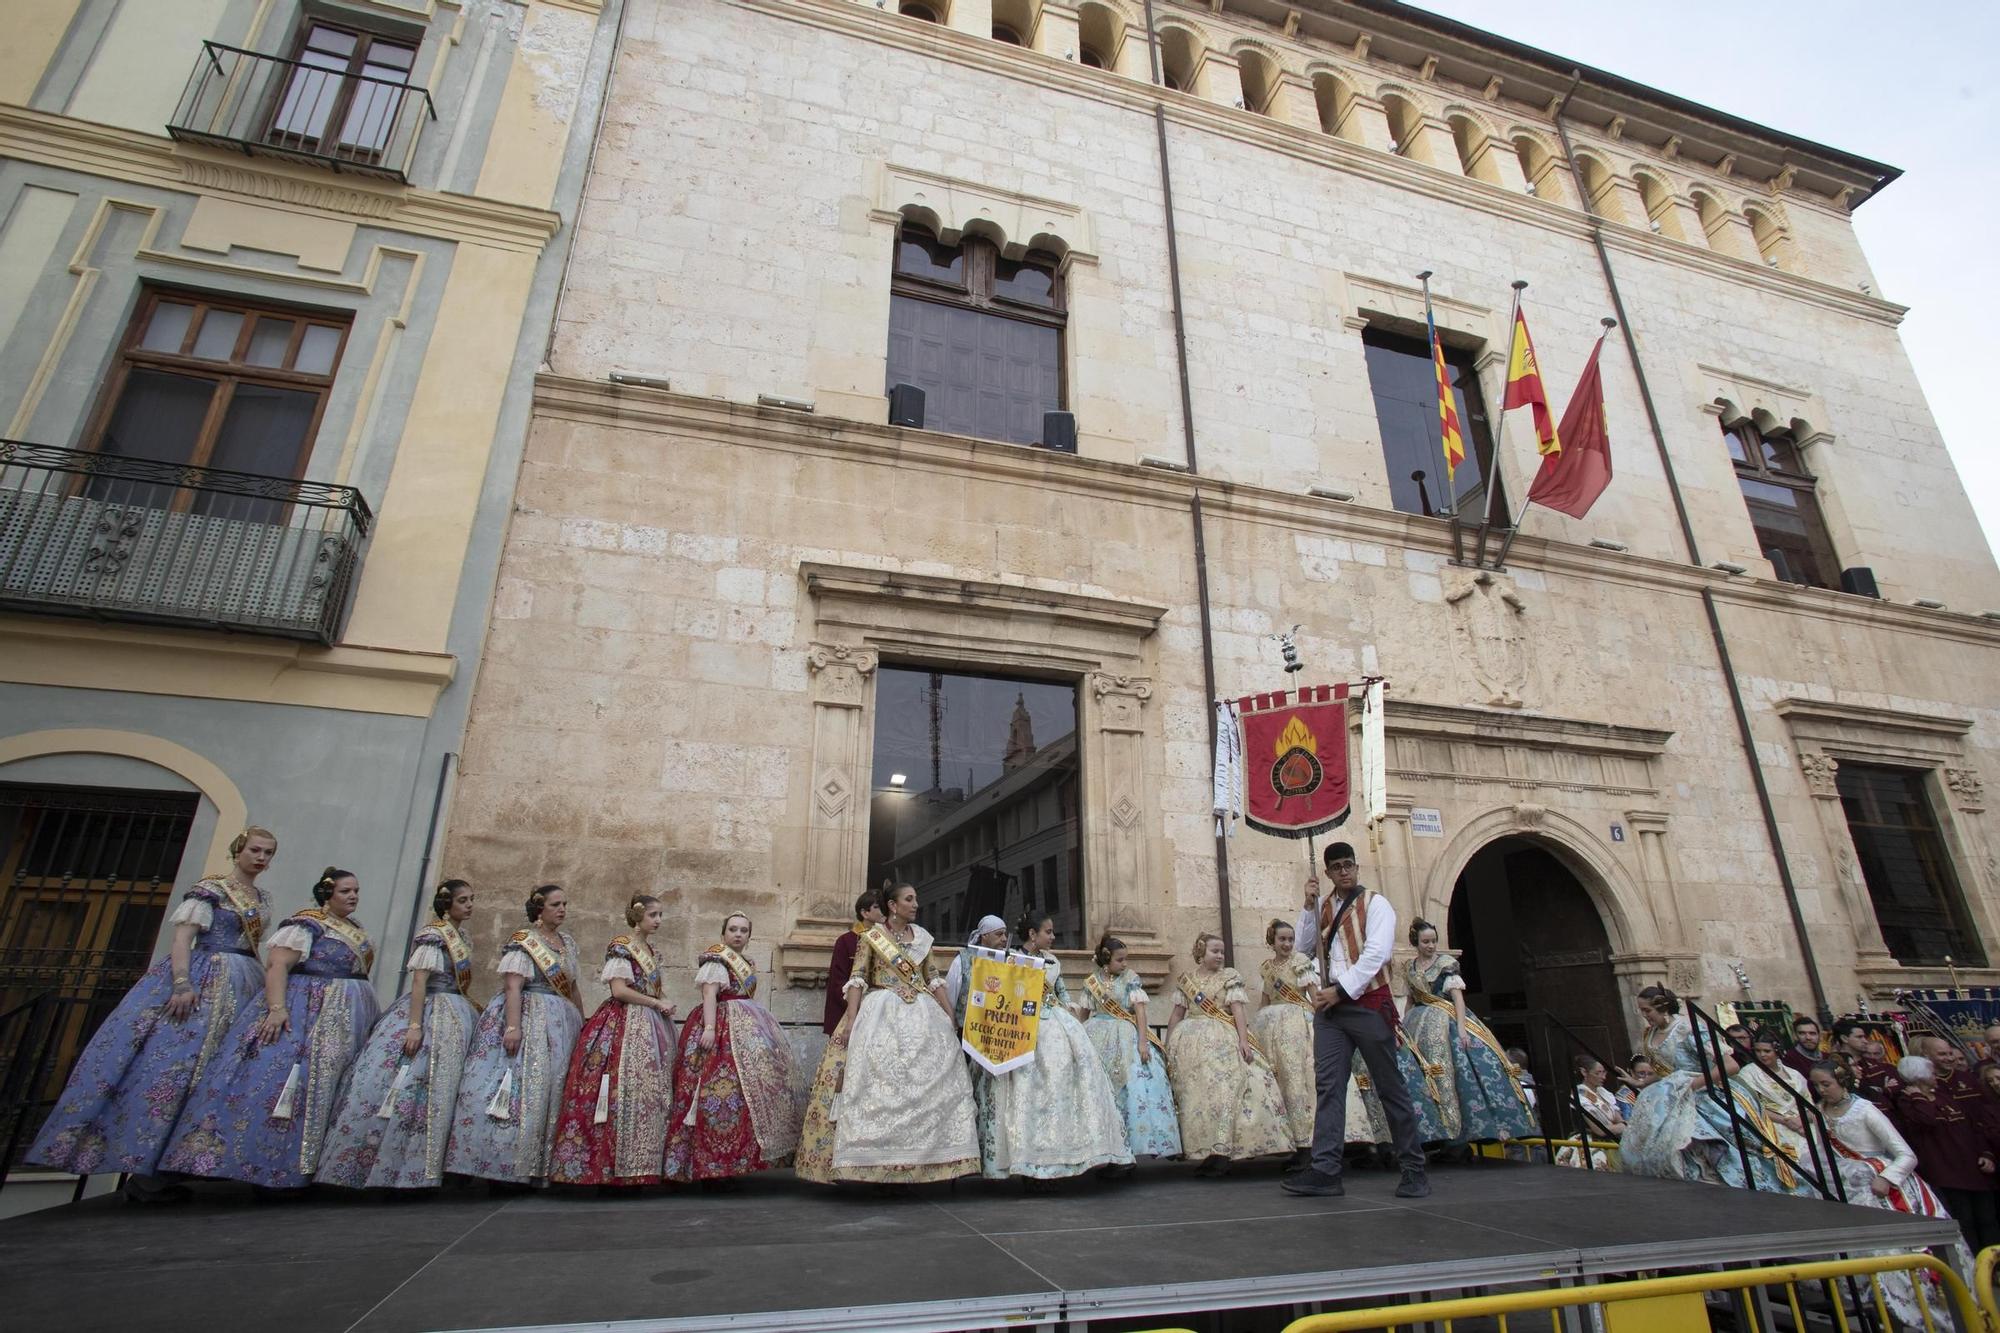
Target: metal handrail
[
  {"x": 1983, "y": 1266},
  {"x": 1718, "y": 1089},
  {"x": 187, "y": 476}
]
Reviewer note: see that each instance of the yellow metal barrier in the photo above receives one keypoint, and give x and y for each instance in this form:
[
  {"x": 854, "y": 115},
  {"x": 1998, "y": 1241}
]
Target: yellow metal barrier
[
  {"x": 1499, "y": 1149},
  {"x": 1678, "y": 1304},
  {"x": 1983, "y": 1269}
]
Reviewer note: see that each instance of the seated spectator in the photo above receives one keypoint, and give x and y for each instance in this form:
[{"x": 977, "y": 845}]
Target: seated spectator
[
  {"x": 1956, "y": 1155},
  {"x": 1632, "y": 1080}
]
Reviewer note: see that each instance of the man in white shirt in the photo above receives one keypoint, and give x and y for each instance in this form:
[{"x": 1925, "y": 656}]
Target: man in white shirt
[{"x": 1352, "y": 932}]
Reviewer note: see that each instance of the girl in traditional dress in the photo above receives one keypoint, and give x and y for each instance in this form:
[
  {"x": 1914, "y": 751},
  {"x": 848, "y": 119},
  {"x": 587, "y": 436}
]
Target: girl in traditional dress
[
  {"x": 900, "y": 1104},
  {"x": 395, "y": 1111},
  {"x": 511, "y": 1092},
  {"x": 261, "y": 1110},
  {"x": 1055, "y": 1116},
  {"x": 1230, "y": 1106},
  {"x": 1283, "y": 1027},
  {"x": 1114, "y": 1004},
  {"x": 135, "y": 1075},
  {"x": 734, "y": 1111},
  {"x": 1481, "y": 1097},
  {"x": 1607, "y": 1115},
  {"x": 613, "y": 1126},
  {"x": 1878, "y": 1168},
  {"x": 1677, "y": 1129},
  {"x": 1772, "y": 1083}
]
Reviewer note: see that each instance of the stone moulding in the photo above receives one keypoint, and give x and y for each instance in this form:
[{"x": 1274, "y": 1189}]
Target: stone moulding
[
  {"x": 833, "y": 583},
  {"x": 952, "y": 207}
]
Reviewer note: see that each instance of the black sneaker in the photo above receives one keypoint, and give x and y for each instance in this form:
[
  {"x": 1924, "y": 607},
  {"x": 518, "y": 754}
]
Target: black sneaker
[
  {"x": 1299, "y": 1160},
  {"x": 1314, "y": 1182},
  {"x": 1415, "y": 1185}
]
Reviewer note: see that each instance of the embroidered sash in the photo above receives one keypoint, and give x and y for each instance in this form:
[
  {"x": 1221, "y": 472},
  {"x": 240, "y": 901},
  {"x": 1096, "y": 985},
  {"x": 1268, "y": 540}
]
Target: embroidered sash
[
  {"x": 460, "y": 953},
  {"x": 909, "y": 976},
  {"x": 1428, "y": 994},
  {"x": 245, "y": 903},
  {"x": 645, "y": 963},
  {"x": 344, "y": 930},
  {"x": 742, "y": 976},
  {"x": 548, "y": 960},
  {"x": 1101, "y": 995},
  {"x": 1286, "y": 992},
  {"x": 1200, "y": 1002}
]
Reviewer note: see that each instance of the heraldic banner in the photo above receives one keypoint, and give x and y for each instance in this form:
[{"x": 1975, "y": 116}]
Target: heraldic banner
[
  {"x": 1003, "y": 1009},
  {"x": 1295, "y": 781}
]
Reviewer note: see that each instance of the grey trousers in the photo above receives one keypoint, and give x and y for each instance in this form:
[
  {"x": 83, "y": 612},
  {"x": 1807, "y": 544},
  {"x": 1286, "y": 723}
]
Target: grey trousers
[{"x": 1337, "y": 1033}]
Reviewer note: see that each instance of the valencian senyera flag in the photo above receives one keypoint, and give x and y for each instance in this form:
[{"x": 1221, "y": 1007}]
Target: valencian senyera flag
[
  {"x": 1003, "y": 1008},
  {"x": 1524, "y": 387},
  {"x": 1450, "y": 429},
  {"x": 1569, "y": 482},
  {"x": 1295, "y": 781}
]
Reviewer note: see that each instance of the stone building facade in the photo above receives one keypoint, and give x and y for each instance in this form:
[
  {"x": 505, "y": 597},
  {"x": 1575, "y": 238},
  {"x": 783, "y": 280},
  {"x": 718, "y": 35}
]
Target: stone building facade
[
  {"x": 720, "y": 548},
  {"x": 274, "y": 277}
]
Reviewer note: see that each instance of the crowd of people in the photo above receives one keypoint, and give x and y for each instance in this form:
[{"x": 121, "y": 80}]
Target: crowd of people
[{"x": 264, "y": 1058}]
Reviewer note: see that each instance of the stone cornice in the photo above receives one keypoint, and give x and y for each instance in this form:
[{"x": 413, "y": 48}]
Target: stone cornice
[
  {"x": 145, "y": 159},
  {"x": 597, "y": 402},
  {"x": 1824, "y": 712},
  {"x": 833, "y": 583},
  {"x": 1197, "y": 113},
  {"x": 1538, "y": 731}
]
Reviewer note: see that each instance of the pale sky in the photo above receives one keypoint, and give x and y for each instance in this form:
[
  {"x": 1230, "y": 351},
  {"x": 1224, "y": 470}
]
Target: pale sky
[{"x": 1910, "y": 85}]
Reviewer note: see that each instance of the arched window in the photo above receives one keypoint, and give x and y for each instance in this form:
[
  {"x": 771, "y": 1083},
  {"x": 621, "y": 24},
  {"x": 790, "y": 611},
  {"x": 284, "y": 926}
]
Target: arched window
[
  {"x": 1782, "y": 498},
  {"x": 1335, "y": 101},
  {"x": 1014, "y": 21},
  {"x": 1003, "y": 33},
  {"x": 910, "y": 9},
  {"x": 1470, "y": 138},
  {"x": 1773, "y": 245},
  {"x": 1180, "y": 51},
  {"x": 980, "y": 333},
  {"x": 1100, "y": 32},
  {"x": 1714, "y": 217},
  {"x": 1536, "y": 164},
  {"x": 1260, "y": 80},
  {"x": 1658, "y": 200},
  {"x": 1404, "y": 123},
  {"x": 1600, "y": 187}
]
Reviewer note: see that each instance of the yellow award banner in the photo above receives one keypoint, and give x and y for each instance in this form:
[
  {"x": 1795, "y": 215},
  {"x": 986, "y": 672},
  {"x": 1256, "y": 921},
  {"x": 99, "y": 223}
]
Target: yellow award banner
[{"x": 1003, "y": 1008}]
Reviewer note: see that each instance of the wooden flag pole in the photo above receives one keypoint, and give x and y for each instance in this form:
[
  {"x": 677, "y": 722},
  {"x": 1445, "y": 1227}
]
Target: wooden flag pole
[{"x": 1500, "y": 560}]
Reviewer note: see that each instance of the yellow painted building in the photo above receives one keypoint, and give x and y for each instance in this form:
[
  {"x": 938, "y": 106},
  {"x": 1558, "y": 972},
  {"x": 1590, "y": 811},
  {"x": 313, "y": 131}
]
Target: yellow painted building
[{"x": 274, "y": 277}]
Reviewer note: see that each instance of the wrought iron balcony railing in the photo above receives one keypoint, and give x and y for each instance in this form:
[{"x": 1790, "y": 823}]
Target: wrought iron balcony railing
[
  {"x": 266, "y": 104},
  {"x": 117, "y": 538}
]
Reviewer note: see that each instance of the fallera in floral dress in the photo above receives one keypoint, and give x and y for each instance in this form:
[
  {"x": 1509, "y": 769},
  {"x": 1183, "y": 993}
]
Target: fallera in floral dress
[
  {"x": 613, "y": 1126},
  {"x": 507, "y": 1104},
  {"x": 134, "y": 1077},
  {"x": 394, "y": 1117},
  {"x": 1141, "y": 1088},
  {"x": 735, "y": 1110},
  {"x": 1054, "y": 1116},
  {"x": 262, "y": 1109},
  {"x": 1228, "y": 1108}
]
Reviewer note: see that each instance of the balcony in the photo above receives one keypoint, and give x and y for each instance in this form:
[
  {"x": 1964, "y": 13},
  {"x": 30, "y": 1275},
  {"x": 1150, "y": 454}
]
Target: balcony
[
  {"x": 133, "y": 539},
  {"x": 263, "y": 104}
]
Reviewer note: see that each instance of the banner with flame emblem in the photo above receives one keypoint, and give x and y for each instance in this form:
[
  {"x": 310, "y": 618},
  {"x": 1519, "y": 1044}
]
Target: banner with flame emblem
[
  {"x": 1295, "y": 760},
  {"x": 1002, "y": 1009}
]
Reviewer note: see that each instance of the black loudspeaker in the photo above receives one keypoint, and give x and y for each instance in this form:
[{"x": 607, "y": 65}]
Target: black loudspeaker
[
  {"x": 1860, "y": 581},
  {"x": 1059, "y": 431},
  {"x": 906, "y": 405}
]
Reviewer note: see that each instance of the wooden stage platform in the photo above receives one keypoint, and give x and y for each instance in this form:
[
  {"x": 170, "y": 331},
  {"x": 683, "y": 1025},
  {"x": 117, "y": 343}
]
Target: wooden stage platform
[{"x": 1163, "y": 1248}]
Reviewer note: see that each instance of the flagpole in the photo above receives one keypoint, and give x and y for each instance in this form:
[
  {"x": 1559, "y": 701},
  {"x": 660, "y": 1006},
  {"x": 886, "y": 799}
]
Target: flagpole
[
  {"x": 1500, "y": 440},
  {"x": 1500, "y": 560},
  {"x": 1430, "y": 331}
]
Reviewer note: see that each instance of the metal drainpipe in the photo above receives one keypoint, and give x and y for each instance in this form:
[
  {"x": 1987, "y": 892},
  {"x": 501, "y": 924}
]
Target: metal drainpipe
[
  {"x": 1194, "y": 471},
  {"x": 1744, "y": 733}
]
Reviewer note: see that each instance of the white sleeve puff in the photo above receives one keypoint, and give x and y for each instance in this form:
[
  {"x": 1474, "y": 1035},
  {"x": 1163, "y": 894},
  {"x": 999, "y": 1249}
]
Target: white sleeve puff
[
  {"x": 296, "y": 938},
  {"x": 427, "y": 958},
  {"x": 193, "y": 911},
  {"x": 516, "y": 963},
  {"x": 617, "y": 969},
  {"x": 711, "y": 974},
  {"x": 1135, "y": 991},
  {"x": 1452, "y": 981}
]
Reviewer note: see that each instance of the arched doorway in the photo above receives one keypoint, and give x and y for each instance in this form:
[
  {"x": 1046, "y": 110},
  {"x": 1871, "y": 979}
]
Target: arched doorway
[{"x": 1531, "y": 943}]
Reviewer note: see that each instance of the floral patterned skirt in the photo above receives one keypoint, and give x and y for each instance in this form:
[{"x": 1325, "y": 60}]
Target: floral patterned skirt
[
  {"x": 508, "y": 1104},
  {"x": 134, "y": 1077},
  {"x": 1144, "y": 1097},
  {"x": 613, "y": 1126},
  {"x": 814, "y": 1159},
  {"x": 1228, "y": 1108},
  {"x": 261, "y": 1110},
  {"x": 904, "y": 1113},
  {"x": 734, "y": 1107},
  {"x": 394, "y": 1116},
  {"x": 1055, "y": 1116},
  {"x": 1285, "y": 1031}
]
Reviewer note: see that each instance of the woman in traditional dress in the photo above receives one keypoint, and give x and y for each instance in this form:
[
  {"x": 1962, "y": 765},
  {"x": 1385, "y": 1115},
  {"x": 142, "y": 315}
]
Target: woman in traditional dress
[
  {"x": 135, "y": 1075},
  {"x": 734, "y": 1111},
  {"x": 1230, "y": 1106},
  {"x": 1482, "y": 1097},
  {"x": 1283, "y": 1027},
  {"x": 1606, "y": 1114},
  {"x": 1114, "y": 1004},
  {"x": 1772, "y": 1083},
  {"x": 511, "y": 1092},
  {"x": 1878, "y": 1168},
  {"x": 901, "y": 1105},
  {"x": 1055, "y": 1116},
  {"x": 613, "y": 1125},
  {"x": 1679, "y": 1130},
  {"x": 394, "y": 1117},
  {"x": 261, "y": 1110}
]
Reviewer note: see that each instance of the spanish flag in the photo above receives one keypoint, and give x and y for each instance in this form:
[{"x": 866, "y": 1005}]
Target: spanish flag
[
  {"x": 1448, "y": 423},
  {"x": 1524, "y": 387}
]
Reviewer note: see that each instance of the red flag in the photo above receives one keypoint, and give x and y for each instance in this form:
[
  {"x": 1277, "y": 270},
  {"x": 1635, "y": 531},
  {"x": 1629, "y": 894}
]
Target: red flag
[{"x": 1570, "y": 482}]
